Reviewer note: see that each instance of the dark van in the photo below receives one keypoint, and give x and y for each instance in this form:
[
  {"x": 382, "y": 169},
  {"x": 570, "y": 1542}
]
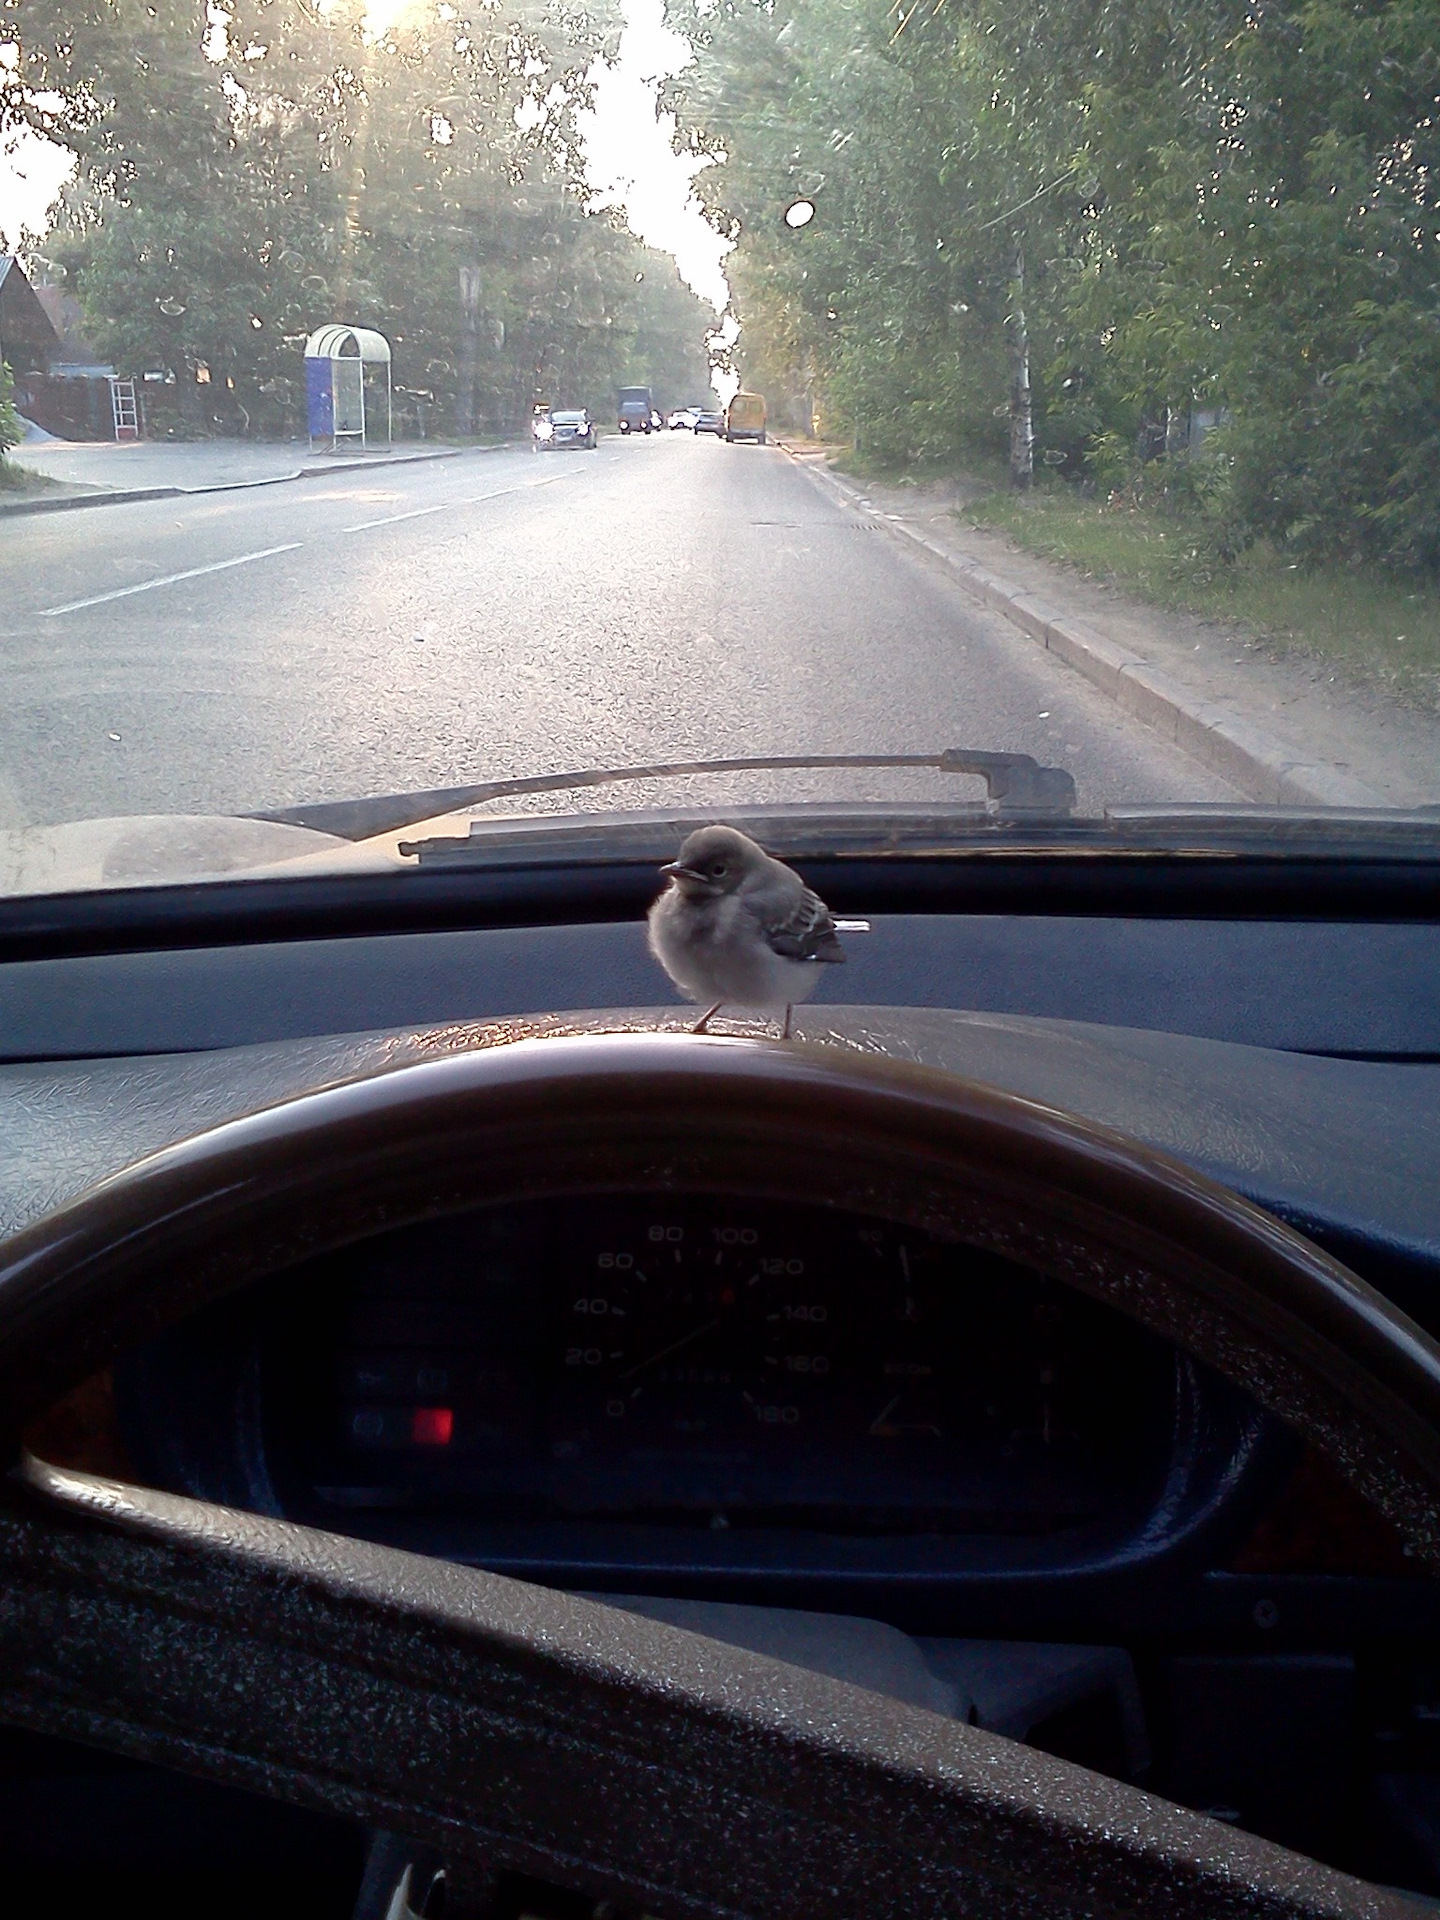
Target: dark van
[{"x": 636, "y": 408}]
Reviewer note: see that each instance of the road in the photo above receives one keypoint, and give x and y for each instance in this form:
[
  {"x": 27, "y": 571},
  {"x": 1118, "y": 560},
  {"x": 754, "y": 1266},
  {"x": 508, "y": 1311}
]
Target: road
[{"x": 506, "y": 613}]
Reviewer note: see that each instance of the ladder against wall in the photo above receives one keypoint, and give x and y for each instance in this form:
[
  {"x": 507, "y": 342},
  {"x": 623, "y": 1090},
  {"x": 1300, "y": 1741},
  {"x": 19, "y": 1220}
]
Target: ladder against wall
[{"x": 124, "y": 409}]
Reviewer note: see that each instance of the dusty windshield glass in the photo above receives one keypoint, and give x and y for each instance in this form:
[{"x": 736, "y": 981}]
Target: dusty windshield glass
[{"x": 404, "y": 396}]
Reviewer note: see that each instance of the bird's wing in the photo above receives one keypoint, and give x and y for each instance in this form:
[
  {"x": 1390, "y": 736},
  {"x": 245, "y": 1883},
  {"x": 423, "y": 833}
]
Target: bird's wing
[{"x": 800, "y": 927}]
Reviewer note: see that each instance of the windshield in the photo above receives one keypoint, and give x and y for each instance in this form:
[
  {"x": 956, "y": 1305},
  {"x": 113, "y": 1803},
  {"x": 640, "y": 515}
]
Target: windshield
[{"x": 1089, "y": 363}]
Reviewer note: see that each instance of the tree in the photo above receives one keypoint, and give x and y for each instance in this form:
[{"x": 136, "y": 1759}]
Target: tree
[
  {"x": 1157, "y": 208},
  {"x": 247, "y": 175}
]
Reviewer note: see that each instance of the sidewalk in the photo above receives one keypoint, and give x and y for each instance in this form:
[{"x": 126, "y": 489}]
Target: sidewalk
[
  {"x": 98, "y": 471},
  {"x": 1282, "y": 730}
]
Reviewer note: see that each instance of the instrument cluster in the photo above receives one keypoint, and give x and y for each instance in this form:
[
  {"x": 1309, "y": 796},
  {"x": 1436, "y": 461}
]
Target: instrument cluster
[{"x": 715, "y": 1363}]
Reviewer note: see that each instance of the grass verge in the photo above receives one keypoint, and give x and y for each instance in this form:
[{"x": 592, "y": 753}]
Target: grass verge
[
  {"x": 1377, "y": 626},
  {"x": 17, "y": 482}
]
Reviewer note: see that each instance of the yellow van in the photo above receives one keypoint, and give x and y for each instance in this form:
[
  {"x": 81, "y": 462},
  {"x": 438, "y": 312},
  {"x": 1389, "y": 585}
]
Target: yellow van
[{"x": 745, "y": 419}]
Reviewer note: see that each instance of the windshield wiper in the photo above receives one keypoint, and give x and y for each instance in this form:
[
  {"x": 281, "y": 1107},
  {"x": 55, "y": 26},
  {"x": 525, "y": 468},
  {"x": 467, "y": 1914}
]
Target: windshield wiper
[
  {"x": 805, "y": 831},
  {"x": 1016, "y": 787}
]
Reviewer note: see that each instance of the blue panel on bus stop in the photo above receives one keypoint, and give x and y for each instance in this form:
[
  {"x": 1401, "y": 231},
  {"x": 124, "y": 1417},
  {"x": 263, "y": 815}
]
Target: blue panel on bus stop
[{"x": 319, "y": 398}]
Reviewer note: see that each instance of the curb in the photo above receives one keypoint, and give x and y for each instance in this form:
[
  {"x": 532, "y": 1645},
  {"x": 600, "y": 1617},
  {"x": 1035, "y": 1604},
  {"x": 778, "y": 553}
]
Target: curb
[
  {"x": 1220, "y": 737},
  {"x": 123, "y": 496},
  {"x": 71, "y": 502}
]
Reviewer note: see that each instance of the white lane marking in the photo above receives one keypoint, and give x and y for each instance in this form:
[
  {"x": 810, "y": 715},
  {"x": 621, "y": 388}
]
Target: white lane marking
[
  {"x": 290, "y": 546},
  {"x": 167, "y": 580},
  {"x": 450, "y": 506},
  {"x": 419, "y": 513}
]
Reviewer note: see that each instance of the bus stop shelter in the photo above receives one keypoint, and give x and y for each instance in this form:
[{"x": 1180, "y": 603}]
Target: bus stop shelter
[{"x": 347, "y": 389}]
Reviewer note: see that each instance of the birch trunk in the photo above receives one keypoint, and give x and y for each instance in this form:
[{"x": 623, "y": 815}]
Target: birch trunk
[{"x": 1022, "y": 425}]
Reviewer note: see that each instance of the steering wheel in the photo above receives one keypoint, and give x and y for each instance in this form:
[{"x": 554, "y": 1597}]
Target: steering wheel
[{"x": 515, "y": 1728}]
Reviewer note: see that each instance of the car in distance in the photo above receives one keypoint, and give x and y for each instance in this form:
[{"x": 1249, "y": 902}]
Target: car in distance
[
  {"x": 635, "y": 410},
  {"x": 572, "y": 427},
  {"x": 683, "y": 417},
  {"x": 745, "y": 418},
  {"x": 708, "y": 421}
]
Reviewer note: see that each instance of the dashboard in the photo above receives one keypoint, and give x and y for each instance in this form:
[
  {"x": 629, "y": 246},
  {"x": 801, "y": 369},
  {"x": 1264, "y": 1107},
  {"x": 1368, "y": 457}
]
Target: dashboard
[
  {"x": 752, "y": 1420},
  {"x": 1157, "y": 1492}
]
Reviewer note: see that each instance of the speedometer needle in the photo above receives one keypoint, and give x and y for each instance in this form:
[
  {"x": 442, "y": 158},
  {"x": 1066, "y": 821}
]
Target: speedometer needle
[{"x": 665, "y": 1352}]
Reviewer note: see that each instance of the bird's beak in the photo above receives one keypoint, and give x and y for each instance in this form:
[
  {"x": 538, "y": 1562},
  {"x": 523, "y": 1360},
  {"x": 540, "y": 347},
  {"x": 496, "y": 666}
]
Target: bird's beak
[{"x": 676, "y": 870}]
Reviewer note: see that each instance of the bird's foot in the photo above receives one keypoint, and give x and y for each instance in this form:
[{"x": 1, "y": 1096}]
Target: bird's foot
[
  {"x": 789, "y": 1016},
  {"x": 702, "y": 1025}
]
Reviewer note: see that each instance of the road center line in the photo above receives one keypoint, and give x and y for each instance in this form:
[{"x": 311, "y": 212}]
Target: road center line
[
  {"x": 290, "y": 546},
  {"x": 419, "y": 513},
  {"x": 166, "y": 580},
  {"x": 449, "y": 506}
]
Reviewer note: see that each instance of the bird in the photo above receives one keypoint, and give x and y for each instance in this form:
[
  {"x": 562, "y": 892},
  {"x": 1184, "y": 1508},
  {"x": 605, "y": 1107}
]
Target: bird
[{"x": 736, "y": 927}]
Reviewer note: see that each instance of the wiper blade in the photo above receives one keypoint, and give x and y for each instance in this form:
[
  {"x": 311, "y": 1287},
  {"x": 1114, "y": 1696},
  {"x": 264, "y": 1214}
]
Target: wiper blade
[
  {"x": 1270, "y": 819},
  {"x": 811, "y": 831},
  {"x": 1016, "y": 787}
]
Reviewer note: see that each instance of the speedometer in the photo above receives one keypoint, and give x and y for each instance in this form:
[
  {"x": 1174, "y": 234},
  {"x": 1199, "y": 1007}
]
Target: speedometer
[{"x": 697, "y": 1328}]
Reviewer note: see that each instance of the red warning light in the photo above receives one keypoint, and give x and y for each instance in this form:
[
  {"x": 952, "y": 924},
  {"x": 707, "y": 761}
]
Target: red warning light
[{"x": 432, "y": 1426}]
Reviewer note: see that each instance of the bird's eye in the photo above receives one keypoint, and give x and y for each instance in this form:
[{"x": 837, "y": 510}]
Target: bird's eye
[{"x": 718, "y": 869}]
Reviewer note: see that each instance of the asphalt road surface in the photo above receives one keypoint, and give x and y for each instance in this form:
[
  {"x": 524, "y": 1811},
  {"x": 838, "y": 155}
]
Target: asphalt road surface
[{"x": 510, "y": 613}]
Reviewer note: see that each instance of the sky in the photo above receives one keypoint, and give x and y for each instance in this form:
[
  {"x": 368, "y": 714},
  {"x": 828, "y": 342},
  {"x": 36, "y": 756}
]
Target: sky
[
  {"x": 629, "y": 147},
  {"x": 32, "y": 172},
  {"x": 631, "y": 158}
]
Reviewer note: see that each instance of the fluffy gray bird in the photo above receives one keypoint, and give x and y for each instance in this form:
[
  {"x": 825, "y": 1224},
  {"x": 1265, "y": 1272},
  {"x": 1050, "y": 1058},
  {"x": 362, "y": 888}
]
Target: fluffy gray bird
[{"x": 736, "y": 928}]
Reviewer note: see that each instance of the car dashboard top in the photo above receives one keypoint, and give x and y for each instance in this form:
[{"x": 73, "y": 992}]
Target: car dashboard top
[{"x": 710, "y": 1396}]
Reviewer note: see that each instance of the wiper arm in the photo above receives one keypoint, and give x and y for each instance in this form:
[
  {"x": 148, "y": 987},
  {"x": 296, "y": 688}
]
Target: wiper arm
[{"x": 1016, "y": 787}]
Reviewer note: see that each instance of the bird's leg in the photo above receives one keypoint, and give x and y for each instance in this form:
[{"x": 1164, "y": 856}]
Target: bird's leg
[
  {"x": 789, "y": 1013},
  {"x": 703, "y": 1023}
]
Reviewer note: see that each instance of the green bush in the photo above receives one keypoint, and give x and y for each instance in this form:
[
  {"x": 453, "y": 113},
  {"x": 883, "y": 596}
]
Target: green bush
[
  {"x": 911, "y": 406},
  {"x": 1354, "y": 473},
  {"x": 11, "y": 431}
]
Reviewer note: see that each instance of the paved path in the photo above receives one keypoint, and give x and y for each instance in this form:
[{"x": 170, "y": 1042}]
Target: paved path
[{"x": 509, "y": 613}]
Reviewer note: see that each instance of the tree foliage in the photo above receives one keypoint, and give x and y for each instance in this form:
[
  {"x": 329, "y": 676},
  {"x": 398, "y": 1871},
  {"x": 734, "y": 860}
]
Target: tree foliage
[
  {"x": 1230, "y": 205},
  {"x": 253, "y": 169}
]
